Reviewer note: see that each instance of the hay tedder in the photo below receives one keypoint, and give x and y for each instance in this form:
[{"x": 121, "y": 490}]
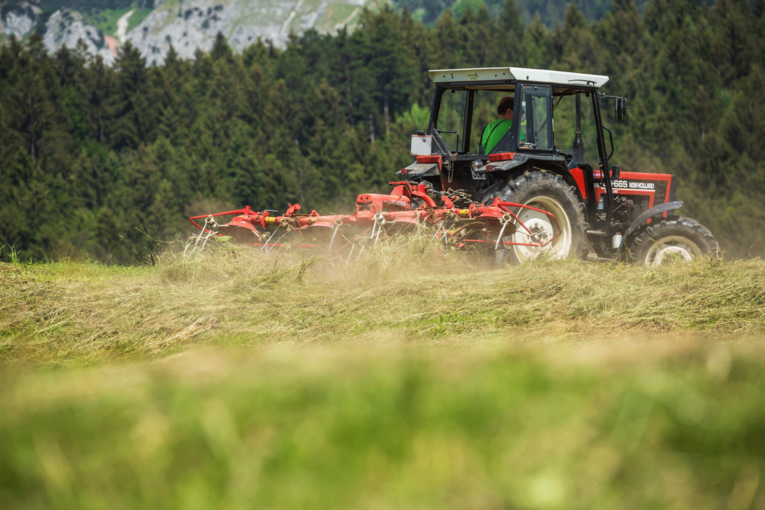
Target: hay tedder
[{"x": 512, "y": 196}]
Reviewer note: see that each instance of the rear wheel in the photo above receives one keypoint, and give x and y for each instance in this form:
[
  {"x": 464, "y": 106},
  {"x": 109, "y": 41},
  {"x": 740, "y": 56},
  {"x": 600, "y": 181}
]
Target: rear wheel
[
  {"x": 559, "y": 239},
  {"x": 677, "y": 239}
]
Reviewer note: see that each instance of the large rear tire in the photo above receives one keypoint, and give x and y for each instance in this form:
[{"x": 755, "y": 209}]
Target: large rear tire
[
  {"x": 681, "y": 239},
  {"x": 548, "y": 192}
]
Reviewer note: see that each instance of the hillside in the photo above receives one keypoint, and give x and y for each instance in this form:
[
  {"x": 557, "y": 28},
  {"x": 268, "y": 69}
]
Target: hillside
[
  {"x": 237, "y": 379},
  {"x": 103, "y": 162},
  {"x": 153, "y": 25},
  {"x": 189, "y": 25},
  {"x": 192, "y": 24}
]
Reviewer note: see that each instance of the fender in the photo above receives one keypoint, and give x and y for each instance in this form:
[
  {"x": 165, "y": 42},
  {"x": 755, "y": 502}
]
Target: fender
[
  {"x": 653, "y": 211},
  {"x": 416, "y": 170}
]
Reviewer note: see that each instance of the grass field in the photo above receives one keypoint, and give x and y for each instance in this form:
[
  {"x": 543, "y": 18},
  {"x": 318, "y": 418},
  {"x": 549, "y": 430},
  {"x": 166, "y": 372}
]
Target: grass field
[
  {"x": 408, "y": 379},
  {"x": 136, "y": 19}
]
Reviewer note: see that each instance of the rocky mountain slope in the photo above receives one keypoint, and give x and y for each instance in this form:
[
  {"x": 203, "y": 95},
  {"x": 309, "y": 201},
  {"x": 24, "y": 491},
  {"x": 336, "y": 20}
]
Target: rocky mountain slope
[
  {"x": 192, "y": 24},
  {"x": 154, "y": 25}
]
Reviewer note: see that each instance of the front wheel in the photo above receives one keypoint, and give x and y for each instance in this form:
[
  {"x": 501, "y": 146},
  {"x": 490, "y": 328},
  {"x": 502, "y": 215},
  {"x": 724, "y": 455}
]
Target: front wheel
[{"x": 678, "y": 239}]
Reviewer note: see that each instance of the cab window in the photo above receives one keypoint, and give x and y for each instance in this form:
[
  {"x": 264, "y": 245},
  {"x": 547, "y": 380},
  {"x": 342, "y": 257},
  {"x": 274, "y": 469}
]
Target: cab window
[
  {"x": 485, "y": 104},
  {"x": 451, "y": 118},
  {"x": 565, "y": 126},
  {"x": 537, "y": 128}
]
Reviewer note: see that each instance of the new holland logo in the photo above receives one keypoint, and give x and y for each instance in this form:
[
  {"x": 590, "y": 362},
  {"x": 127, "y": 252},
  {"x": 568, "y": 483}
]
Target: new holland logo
[
  {"x": 472, "y": 76},
  {"x": 632, "y": 185}
]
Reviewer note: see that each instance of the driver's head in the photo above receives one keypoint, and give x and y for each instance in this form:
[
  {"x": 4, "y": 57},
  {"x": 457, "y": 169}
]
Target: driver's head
[{"x": 505, "y": 107}]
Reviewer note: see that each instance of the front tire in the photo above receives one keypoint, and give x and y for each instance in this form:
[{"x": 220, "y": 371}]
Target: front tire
[
  {"x": 681, "y": 239},
  {"x": 548, "y": 192}
]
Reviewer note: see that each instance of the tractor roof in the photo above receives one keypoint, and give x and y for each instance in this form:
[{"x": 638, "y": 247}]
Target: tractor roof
[{"x": 489, "y": 75}]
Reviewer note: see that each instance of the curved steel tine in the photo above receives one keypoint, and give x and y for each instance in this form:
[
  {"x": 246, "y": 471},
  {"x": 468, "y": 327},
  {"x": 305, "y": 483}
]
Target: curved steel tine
[{"x": 265, "y": 245}]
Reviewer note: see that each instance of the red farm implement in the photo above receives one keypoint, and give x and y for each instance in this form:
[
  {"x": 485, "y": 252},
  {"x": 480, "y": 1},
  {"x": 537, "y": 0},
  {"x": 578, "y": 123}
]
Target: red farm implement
[{"x": 454, "y": 219}]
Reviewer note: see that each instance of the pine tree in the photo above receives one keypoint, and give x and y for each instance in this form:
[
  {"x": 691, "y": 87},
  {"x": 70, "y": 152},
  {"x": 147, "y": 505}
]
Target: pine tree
[
  {"x": 446, "y": 29},
  {"x": 220, "y": 49},
  {"x": 512, "y": 27},
  {"x": 733, "y": 48},
  {"x": 130, "y": 109},
  {"x": 537, "y": 43}
]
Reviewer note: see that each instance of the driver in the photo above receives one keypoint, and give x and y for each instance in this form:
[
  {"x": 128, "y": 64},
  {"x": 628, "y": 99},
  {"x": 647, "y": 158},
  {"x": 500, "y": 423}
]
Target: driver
[{"x": 494, "y": 132}]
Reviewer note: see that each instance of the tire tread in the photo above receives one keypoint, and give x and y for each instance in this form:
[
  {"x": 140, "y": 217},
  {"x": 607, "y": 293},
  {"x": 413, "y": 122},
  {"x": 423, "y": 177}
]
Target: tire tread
[
  {"x": 698, "y": 233},
  {"x": 528, "y": 181}
]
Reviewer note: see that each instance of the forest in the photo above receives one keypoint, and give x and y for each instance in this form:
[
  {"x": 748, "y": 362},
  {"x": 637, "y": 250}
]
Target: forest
[{"x": 107, "y": 163}]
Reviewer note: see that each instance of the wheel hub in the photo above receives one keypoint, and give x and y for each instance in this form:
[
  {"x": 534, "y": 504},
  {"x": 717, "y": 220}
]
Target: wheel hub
[
  {"x": 540, "y": 231},
  {"x": 543, "y": 230},
  {"x": 672, "y": 248}
]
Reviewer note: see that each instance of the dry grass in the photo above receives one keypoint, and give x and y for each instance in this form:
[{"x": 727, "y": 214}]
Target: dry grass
[
  {"x": 404, "y": 292},
  {"x": 553, "y": 385}
]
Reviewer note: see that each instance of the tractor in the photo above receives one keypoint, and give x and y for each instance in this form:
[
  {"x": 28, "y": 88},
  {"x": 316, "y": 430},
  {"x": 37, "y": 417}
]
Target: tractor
[{"x": 505, "y": 188}]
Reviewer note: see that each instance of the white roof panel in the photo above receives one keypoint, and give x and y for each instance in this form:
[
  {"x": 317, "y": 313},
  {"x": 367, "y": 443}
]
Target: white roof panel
[{"x": 489, "y": 74}]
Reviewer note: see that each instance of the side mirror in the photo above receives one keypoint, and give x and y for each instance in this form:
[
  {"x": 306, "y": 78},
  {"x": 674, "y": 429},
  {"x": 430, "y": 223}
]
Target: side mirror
[
  {"x": 616, "y": 172},
  {"x": 620, "y": 108}
]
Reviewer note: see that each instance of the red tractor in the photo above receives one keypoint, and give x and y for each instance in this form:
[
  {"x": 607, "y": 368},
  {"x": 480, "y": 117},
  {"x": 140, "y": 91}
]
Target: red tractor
[{"x": 488, "y": 176}]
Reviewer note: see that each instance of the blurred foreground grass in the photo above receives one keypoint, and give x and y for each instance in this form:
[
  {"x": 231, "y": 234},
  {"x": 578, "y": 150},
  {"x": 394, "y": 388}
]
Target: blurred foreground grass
[
  {"x": 233, "y": 379},
  {"x": 585, "y": 428}
]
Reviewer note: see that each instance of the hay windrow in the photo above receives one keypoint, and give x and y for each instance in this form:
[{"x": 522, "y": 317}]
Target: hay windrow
[{"x": 404, "y": 291}]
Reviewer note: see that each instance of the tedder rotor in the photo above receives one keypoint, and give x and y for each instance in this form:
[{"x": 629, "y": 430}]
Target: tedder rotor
[{"x": 455, "y": 219}]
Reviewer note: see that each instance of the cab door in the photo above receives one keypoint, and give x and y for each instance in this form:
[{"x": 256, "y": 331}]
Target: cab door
[{"x": 534, "y": 118}]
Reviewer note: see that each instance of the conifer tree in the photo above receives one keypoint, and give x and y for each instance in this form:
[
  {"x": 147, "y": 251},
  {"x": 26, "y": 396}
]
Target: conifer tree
[
  {"x": 125, "y": 104},
  {"x": 220, "y": 49},
  {"x": 537, "y": 43},
  {"x": 512, "y": 27}
]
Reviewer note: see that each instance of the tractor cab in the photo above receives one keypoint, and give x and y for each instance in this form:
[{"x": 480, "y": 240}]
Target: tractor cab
[{"x": 555, "y": 124}]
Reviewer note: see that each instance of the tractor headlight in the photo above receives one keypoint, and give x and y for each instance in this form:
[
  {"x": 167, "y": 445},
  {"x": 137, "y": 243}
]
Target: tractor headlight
[{"x": 477, "y": 164}]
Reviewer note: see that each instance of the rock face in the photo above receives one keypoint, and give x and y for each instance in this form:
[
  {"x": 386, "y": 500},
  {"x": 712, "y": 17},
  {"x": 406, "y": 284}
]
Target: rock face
[
  {"x": 186, "y": 24},
  {"x": 192, "y": 24},
  {"x": 66, "y": 27},
  {"x": 18, "y": 19}
]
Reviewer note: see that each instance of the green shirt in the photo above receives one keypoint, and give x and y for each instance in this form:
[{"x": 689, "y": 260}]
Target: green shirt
[{"x": 494, "y": 132}]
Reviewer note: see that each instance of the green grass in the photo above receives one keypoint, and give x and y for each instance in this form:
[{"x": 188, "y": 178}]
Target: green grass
[
  {"x": 136, "y": 18},
  {"x": 408, "y": 379},
  {"x": 337, "y": 13},
  {"x": 376, "y": 427},
  {"x": 106, "y": 20},
  {"x": 390, "y": 428}
]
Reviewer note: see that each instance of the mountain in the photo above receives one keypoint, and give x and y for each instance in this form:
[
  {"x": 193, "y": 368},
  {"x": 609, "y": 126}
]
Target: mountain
[
  {"x": 153, "y": 25},
  {"x": 192, "y": 24}
]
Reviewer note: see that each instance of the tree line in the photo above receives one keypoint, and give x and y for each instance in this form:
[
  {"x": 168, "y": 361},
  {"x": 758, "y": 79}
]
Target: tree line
[{"x": 105, "y": 162}]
